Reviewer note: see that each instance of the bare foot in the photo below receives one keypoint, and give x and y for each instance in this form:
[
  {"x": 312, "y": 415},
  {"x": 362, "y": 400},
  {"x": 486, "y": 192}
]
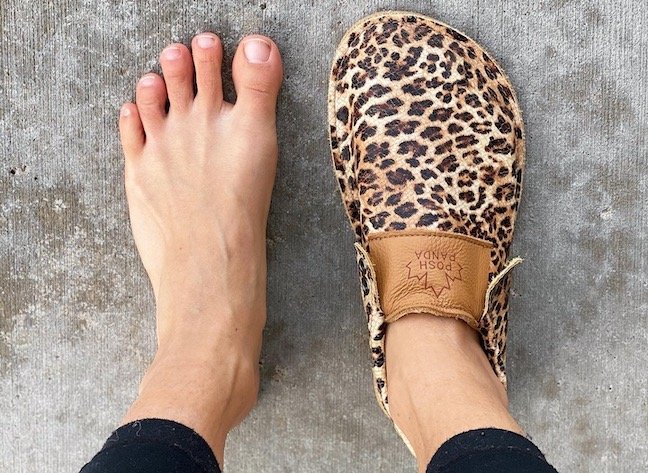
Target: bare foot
[{"x": 198, "y": 180}]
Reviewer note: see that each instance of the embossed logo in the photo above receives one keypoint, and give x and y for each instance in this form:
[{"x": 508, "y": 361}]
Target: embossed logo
[{"x": 435, "y": 269}]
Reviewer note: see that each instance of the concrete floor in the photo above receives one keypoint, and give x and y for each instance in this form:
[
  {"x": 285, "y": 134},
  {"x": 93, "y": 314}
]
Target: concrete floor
[{"x": 76, "y": 312}]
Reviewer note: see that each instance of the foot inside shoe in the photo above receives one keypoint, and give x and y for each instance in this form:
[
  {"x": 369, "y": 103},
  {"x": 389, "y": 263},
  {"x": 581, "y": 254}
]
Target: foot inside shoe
[{"x": 428, "y": 147}]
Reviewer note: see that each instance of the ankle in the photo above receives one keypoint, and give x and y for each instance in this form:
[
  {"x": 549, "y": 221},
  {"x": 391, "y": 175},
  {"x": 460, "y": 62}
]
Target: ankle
[
  {"x": 207, "y": 396},
  {"x": 417, "y": 343},
  {"x": 440, "y": 382}
]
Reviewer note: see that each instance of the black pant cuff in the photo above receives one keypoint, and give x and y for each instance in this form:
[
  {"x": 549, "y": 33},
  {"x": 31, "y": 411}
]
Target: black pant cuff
[
  {"x": 489, "y": 450},
  {"x": 151, "y": 441}
]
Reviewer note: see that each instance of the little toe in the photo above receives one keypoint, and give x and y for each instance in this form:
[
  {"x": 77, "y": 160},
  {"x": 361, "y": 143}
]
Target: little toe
[
  {"x": 208, "y": 56},
  {"x": 131, "y": 130},
  {"x": 177, "y": 68},
  {"x": 257, "y": 72},
  {"x": 151, "y": 97}
]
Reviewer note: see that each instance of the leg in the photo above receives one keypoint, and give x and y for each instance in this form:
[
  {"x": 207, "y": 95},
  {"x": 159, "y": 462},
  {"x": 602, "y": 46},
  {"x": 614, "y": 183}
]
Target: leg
[
  {"x": 198, "y": 180},
  {"x": 440, "y": 383}
]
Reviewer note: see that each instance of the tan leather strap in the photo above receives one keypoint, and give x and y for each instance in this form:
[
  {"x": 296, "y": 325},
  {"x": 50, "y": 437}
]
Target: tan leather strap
[{"x": 440, "y": 273}]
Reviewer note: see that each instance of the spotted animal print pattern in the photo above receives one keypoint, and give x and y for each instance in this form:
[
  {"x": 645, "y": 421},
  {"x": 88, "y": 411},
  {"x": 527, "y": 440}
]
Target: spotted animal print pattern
[{"x": 426, "y": 133}]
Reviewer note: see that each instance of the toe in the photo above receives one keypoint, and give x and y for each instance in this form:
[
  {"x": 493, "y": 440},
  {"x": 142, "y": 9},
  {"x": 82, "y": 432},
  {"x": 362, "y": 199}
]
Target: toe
[
  {"x": 131, "y": 130},
  {"x": 177, "y": 68},
  {"x": 151, "y": 99},
  {"x": 208, "y": 56},
  {"x": 257, "y": 73}
]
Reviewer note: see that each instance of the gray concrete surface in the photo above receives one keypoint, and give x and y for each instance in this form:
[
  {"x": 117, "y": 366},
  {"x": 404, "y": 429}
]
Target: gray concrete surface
[{"x": 76, "y": 313}]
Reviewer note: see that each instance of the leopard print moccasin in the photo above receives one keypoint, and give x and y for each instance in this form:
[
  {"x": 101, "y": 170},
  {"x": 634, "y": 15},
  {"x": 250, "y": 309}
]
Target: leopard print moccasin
[{"x": 428, "y": 147}]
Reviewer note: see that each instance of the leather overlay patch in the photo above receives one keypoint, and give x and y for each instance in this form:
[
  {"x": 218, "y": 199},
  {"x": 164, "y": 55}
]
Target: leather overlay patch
[{"x": 440, "y": 273}]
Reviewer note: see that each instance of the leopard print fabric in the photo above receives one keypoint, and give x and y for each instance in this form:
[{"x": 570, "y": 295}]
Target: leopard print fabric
[{"x": 426, "y": 133}]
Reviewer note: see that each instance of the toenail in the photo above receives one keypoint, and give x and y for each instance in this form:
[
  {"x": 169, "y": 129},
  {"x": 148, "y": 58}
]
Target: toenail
[
  {"x": 172, "y": 53},
  {"x": 256, "y": 51},
  {"x": 206, "y": 41},
  {"x": 147, "y": 81}
]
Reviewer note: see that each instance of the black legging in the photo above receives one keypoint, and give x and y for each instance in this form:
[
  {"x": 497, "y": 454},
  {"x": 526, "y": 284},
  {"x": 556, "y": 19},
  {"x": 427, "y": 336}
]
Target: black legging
[{"x": 164, "y": 446}]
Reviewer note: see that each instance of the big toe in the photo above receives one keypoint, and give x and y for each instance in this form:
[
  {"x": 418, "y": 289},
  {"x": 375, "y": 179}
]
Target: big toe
[{"x": 257, "y": 72}]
